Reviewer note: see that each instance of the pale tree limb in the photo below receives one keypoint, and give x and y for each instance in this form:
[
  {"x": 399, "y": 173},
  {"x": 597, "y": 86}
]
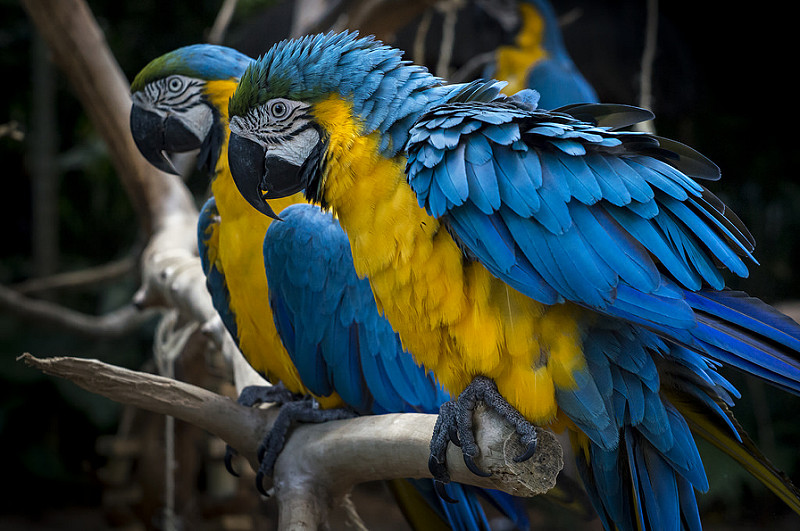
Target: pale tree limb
[
  {"x": 117, "y": 323},
  {"x": 449, "y": 9},
  {"x": 322, "y": 462},
  {"x": 90, "y": 276},
  {"x": 648, "y": 58},
  {"x": 217, "y": 33}
]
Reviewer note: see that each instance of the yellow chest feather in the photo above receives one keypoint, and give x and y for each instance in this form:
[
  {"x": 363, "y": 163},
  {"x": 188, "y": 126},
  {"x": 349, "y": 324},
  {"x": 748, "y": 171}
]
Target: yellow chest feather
[
  {"x": 454, "y": 316},
  {"x": 239, "y": 239}
]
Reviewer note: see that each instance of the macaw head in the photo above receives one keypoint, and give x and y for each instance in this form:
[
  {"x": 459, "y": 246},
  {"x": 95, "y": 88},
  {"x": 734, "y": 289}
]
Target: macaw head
[
  {"x": 180, "y": 102},
  {"x": 278, "y": 137}
]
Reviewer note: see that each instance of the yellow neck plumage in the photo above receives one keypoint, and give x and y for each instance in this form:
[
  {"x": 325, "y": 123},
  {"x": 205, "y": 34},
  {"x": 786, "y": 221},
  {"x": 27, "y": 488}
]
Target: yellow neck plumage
[{"x": 240, "y": 240}]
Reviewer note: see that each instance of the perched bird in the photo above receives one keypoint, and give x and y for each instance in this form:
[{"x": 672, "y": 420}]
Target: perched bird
[
  {"x": 549, "y": 263},
  {"x": 288, "y": 292},
  {"x": 538, "y": 59}
]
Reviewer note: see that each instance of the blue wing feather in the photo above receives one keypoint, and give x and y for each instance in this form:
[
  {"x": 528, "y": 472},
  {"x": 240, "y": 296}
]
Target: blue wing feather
[
  {"x": 207, "y": 224},
  {"x": 552, "y": 237}
]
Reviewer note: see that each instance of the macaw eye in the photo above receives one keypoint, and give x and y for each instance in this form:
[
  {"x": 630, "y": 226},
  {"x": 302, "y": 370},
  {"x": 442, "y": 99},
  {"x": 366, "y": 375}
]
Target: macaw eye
[
  {"x": 278, "y": 109},
  {"x": 175, "y": 84}
]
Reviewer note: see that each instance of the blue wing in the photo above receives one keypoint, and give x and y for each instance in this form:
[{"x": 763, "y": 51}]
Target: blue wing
[
  {"x": 329, "y": 322},
  {"x": 565, "y": 206},
  {"x": 207, "y": 227}
]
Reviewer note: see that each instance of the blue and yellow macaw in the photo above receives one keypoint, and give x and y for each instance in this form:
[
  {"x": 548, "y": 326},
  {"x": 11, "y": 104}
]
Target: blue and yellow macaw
[
  {"x": 310, "y": 323},
  {"x": 538, "y": 59},
  {"x": 550, "y": 263}
]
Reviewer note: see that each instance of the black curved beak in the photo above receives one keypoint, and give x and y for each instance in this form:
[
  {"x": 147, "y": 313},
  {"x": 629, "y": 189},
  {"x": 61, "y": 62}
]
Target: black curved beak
[
  {"x": 260, "y": 176},
  {"x": 148, "y": 131}
]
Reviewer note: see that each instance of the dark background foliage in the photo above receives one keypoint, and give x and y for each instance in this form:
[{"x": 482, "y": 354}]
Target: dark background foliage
[{"x": 722, "y": 83}]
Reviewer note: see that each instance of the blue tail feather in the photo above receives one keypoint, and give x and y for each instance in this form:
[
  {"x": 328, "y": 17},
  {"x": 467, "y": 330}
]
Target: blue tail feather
[{"x": 748, "y": 334}]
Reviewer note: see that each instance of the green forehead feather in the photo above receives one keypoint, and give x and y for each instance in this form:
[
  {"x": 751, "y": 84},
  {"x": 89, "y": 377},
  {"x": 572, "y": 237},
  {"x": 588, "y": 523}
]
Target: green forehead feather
[{"x": 201, "y": 61}]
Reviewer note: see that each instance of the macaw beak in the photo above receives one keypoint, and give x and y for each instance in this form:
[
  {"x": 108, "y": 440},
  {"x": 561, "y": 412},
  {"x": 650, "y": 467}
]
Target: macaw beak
[
  {"x": 260, "y": 176},
  {"x": 156, "y": 135},
  {"x": 148, "y": 131}
]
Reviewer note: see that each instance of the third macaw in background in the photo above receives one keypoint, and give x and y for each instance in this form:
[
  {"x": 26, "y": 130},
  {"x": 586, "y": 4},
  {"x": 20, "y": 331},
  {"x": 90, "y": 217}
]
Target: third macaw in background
[
  {"x": 551, "y": 264},
  {"x": 310, "y": 323},
  {"x": 538, "y": 59}
]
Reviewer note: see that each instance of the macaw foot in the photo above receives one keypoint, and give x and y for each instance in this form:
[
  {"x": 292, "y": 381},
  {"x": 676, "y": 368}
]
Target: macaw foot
[
  {"x": 259, "y": 394},
  {"x": 455, "y": 424},
  {"x": 305, "y": 410}
]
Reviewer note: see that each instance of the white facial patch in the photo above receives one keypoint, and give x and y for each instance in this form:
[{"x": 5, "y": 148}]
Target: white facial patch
[
  {"x": 198, "y": 119},
  {"x": 296, "y": 150},
  {"x": 241, "y": 126}
]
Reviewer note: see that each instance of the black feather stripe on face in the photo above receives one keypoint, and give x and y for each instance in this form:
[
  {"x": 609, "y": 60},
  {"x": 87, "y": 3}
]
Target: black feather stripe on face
[{"x": 313, "y": 169}]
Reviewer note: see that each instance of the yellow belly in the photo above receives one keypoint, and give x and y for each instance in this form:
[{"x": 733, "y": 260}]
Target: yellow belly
[
  {"x": 455, "y": 317},
  {"x": 241, "y": 237},
  {"x": 239, "y": 240}
]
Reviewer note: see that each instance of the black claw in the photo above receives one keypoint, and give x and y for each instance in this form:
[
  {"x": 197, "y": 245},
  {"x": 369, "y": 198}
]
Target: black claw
[
  {"x": 453, "y": 433},
  {"x": 260, "y": 484},
  {"x": 441, "y": 490},
  {"x": 261, "y": 450},
  {"x": 527, "y": 455},
  {"x": 229, "y": 455},
  {"x": 530, "y": 439},
  {"x": 475, "y": 469},
  {"x": 438, "y": 469},
  {"x": 455, "y": 424}
]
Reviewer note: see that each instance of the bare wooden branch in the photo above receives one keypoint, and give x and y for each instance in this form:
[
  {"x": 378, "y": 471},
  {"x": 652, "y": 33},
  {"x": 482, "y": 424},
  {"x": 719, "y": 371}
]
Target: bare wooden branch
[
  {"x": 76, "y": 279},
  {"x": 322, "y": 462},
  {"x": 117, "y": 323},
  {"x": 648, "y": 57},
  {"x": 217, "y": 33}
]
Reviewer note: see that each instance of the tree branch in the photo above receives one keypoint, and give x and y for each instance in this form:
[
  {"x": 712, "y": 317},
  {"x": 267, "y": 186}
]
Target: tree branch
[
  {"x": 113, "y": 324},
  {"x": 322, "y": 462},
  {"x": 221, "y": 23},
  {"x": 76, "y": 279}
]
